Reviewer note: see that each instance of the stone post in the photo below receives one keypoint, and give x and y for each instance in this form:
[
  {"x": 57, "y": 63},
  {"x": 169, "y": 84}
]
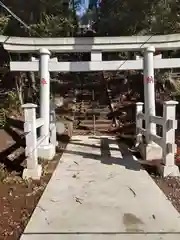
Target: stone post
[
  {"x": 33, "y": 170},
  {"x": 53, "y": 138},
  {"x": 168, "y": 167},
  {"x": 139, "y": 123}
]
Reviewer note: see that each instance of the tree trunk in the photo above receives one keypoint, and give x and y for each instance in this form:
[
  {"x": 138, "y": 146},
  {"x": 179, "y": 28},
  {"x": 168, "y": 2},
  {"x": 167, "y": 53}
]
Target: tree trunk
[
  {"x": 75, "y": 18},
  {"x": 19, "y": 87}
]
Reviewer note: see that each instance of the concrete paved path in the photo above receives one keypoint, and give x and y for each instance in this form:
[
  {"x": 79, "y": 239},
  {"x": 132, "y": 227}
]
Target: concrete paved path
[{"x": 99, "y": 192}]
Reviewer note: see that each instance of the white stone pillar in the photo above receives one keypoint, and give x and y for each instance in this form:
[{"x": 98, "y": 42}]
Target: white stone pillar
[
  {"x": 33, "y": 169},
  {"x": 150, "y": 150},
  {"x": 53, "y": 138},
  {"x": 169, "y": 167},
  {"x": 149, "y": 91},
  {"x": 139, "y": 123},
  {"x": 46, "y": 150},
  {"x": 44, "y": 94}
]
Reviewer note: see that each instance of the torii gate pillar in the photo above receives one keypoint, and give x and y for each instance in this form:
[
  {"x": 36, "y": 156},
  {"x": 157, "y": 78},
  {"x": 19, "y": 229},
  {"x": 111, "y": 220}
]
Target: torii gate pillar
[
  {"x": 149, "y": 90},
  {"x": 150, "y": 149},
  {"x": 46, "y": 150},
  {"x": 44, "y": 93}
]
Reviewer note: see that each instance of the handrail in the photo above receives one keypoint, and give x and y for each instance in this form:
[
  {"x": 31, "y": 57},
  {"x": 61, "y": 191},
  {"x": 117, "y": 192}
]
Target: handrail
[
  {"x": 158, "y": 120},
  {"x": 35, "y": 146},
  {"x": 39, "y": 122},
  {"x": 157, "y": 139},
  {"x": 166, "y": 142}
]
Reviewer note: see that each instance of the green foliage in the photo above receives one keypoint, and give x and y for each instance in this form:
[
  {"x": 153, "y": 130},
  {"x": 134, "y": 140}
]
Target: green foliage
[
  {"x": 13, "y": 100},
  {"x": 3, "y": 23},
  {"x": 2, "y": 117},
  {"x": 176, "y": 92},
  {"x": 47, "y": 18},
  {"x": 115, "y": 17},
  {"x": 54, "y": 26},
  {"x": 122, "y": 17}
]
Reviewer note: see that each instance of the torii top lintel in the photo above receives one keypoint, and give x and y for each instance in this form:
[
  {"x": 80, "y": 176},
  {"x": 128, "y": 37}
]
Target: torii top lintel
[{"x": 89, "y": 44}]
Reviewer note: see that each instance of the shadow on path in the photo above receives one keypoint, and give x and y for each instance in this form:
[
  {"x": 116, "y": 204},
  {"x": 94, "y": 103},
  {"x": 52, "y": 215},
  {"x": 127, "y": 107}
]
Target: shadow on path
[{"x": 105, "y": 157}]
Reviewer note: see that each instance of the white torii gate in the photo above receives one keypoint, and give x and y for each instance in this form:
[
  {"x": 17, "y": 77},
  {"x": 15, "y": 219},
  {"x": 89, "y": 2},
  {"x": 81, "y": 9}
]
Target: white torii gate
[
  {"x": 96, "y": 46},
  {"x": 45, "y": 65}
]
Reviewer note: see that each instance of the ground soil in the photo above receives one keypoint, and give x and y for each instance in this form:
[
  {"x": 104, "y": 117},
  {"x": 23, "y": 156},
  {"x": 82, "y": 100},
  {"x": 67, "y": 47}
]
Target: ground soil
[
  {"x": 169, "y": 185},
  {"x": 171, "y": 188},
  {"x": 18, "y": 198}
]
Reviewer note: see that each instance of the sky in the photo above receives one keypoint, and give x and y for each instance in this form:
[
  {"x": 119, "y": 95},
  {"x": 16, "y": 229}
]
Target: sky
[{"x": 84, "y": 6}]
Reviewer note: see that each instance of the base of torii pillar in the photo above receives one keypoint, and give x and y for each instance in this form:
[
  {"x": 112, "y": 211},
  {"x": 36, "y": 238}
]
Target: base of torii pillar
[
  {"x": 47, "y": 152},
  {"x": 150, "y": 152}
]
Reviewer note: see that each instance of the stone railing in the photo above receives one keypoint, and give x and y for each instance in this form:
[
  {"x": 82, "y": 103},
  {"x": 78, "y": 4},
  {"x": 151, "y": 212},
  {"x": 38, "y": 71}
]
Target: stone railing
[
  {"x": 37, "y": 146},
  {"x": 161, "y": 147}
]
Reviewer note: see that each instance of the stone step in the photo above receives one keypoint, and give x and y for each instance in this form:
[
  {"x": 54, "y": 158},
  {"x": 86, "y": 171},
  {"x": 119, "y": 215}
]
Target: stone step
[
  {"x": 97, "y": 126},
  {"x": 99, "y": 121},
  {"x": 91, "y": 114}
]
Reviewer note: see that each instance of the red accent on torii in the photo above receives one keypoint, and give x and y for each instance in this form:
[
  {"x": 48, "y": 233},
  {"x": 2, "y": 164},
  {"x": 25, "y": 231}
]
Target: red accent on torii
[
  {"x": 43, "y": 81},
  {"x": 149, "y": 80}
]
